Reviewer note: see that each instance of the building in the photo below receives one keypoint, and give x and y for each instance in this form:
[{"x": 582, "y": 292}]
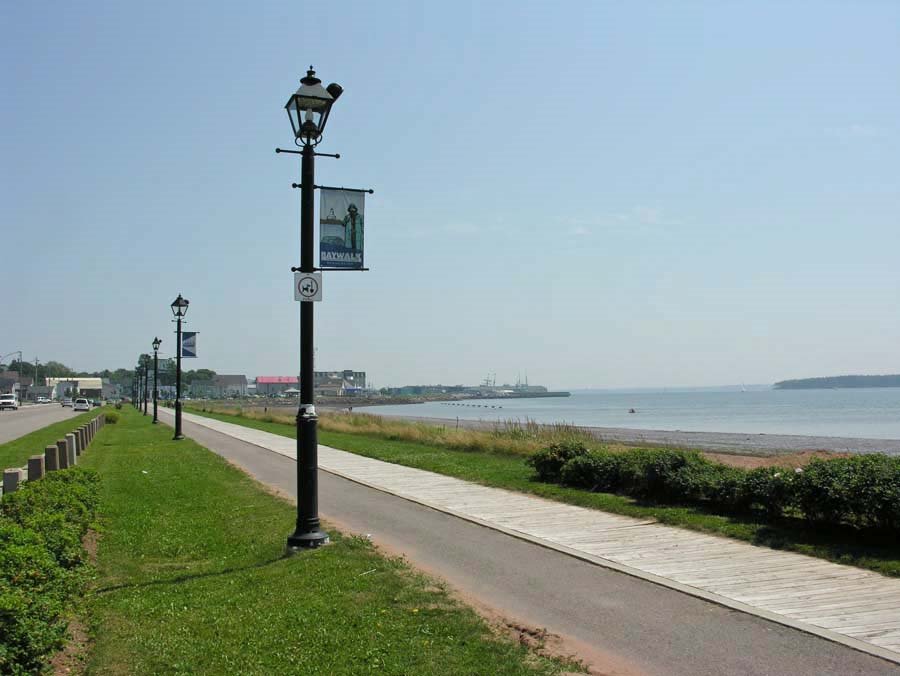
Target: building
[
  {"x": 354, "y": 380},
  {"x": 269, "y": 386},
  {"x": 74, "y": 386},
  {"x": 230, "y": 386}
]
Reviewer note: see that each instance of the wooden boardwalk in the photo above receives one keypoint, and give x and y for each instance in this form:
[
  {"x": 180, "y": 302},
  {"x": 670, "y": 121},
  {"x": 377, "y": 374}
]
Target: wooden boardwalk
[{"x": 848, "y": 605}]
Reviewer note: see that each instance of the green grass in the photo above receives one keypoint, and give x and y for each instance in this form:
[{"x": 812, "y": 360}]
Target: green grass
[
  {"x": 192, "y": 578},
  {"x": 15, "y": 453},
  {"x": 839, "y": 544}
]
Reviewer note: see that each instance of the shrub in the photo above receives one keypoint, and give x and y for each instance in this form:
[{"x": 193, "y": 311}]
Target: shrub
[
  {"x": 662, "y": 474},
  {"x": 862, "y": 490},
  {"x": 33, "y": 589},
  {"x": 112, "y": 417},
  {"x": 549, "y": 461},
  {"x": 771, "y": 489},
  {"x": 41, "y": 530},
  {"x": 596, "y": 471}
]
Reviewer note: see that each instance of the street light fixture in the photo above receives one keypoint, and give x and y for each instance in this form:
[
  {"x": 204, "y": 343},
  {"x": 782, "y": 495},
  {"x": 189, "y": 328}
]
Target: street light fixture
[
  {"x": 309, "y": 107},
  {"x": 156, "y": 343},
  {"x": 179, "y": 309},
  {"x": 308, "y": 110}
]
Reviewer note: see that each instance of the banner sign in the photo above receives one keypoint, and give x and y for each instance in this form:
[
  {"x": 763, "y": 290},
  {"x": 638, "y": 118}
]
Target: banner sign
[
  {"x": 188, "y": 344},
  {"x": 341, "y": 214}
]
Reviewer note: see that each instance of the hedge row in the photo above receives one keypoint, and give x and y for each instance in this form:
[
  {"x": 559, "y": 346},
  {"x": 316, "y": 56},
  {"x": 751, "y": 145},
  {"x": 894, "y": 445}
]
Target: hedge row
[
  {"x": 862, "y": 490},
  {"x": 42, "y": 564}
]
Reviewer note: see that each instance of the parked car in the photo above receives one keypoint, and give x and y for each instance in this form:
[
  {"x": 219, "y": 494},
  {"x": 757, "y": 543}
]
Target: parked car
[
  {"x": 42, "y": 400},
  {"x": 82, "y": 405},
  {"x": 9, "y": 401},
  {"x": 66, "y": 402},
  {"x": 96, "y": 402}
]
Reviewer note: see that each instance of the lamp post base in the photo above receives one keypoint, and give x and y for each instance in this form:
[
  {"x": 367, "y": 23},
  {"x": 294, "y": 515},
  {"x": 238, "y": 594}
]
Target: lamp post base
[{"x": 311, "y": 540}]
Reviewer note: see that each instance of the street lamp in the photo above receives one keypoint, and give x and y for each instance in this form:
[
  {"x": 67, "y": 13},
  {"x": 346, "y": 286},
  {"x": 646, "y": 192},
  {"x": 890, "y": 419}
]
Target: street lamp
[
  {"x": 179, "y": 309},
  {"x": 156, "y": 343},
  {"x": 146, "y": 379},
  {"x": 308, "y": 110}
]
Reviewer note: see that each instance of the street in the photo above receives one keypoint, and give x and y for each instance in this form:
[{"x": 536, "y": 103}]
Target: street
[{"x": 15, "y": 424}]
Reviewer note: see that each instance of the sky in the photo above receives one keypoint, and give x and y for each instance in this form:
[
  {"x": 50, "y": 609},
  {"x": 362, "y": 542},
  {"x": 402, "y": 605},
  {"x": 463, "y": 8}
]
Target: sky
[{"x": 597, "y": 194}]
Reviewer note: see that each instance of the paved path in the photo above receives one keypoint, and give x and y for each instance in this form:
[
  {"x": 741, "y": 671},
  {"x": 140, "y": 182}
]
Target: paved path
[
  {"x": 843, "y": 604},
  {"x": 15, "y": 424}
]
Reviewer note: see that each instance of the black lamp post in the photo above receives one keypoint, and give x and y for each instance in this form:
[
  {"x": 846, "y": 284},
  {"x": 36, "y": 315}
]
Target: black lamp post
[
  {"x": 146, "y": 383},
  {"x": 308, "y": 109},
  {"x": 156, "y": 343},
  {"x": 179, "y": 309}
]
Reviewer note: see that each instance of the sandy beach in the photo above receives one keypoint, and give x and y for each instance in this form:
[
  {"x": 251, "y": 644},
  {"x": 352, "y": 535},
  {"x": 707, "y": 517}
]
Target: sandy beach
[{"x": 765, "y": 445}]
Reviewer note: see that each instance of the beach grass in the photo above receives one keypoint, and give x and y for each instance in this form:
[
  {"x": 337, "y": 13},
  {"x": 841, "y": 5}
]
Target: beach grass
[
  {"x": 192, "y": 577},
  {"x": 500, "y": 466}
]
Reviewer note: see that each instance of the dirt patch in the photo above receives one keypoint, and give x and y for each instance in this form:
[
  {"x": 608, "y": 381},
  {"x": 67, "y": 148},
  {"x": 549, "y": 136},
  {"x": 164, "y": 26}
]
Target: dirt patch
[
  {"x": 71, "y": 659},
  {"x": 90, "y": 542},
  {"x": 753, "y": 461}
]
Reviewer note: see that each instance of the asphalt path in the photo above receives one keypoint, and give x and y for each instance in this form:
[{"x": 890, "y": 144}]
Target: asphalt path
[
  {"x": 617, "y": 623},
  {"x": 15, "y": 424}
]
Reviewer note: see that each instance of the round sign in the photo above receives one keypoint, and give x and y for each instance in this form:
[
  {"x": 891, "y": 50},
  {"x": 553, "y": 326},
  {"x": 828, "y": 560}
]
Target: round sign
[{"x": 308, "y": 287}]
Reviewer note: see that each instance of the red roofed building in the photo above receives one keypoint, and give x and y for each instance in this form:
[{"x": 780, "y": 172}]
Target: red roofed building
[{"x": 267, "y": 386}]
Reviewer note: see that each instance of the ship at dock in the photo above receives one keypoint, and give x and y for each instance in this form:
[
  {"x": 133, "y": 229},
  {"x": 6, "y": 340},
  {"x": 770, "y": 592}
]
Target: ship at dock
[{"x": 521, "y": 390}]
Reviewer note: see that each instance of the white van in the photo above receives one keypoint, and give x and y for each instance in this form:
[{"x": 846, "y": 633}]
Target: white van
[{"x": 9, "y": 401}]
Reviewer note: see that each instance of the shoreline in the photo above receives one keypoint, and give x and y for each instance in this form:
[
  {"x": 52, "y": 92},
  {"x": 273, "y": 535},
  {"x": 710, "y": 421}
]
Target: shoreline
[{"x": 763, "y": 445}]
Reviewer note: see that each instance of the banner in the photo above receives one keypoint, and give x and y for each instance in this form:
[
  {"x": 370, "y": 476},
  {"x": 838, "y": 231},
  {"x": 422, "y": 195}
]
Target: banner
[
  {"x": 341, "y": 214},
  {"x": 188, "y": 344}
]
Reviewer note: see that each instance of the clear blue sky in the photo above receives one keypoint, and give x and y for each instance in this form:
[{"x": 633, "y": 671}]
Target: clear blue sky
[{"x": 602, "y": 194}]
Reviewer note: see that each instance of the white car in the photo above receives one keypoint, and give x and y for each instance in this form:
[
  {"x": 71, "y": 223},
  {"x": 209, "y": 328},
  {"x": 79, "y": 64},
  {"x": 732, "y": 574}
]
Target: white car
[
  {"x": 82, "y": 405},
  {"x": 9, "y": 401},
  {"x": 42, "y": 400}
]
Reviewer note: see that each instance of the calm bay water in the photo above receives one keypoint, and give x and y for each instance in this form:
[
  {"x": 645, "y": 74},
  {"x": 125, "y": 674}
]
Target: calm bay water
[{"x": 869, "y": 413}]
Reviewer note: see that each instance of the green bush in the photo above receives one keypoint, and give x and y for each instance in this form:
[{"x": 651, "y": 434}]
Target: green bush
[
  {"x": 862, "y": 490},
  {"x": 549, "y": 461},
  {"x": 33, "y": 590},
  {"x": 41, "y": 563},
  {"x": 661, "y": 474},
  {"x": 112, "y": 417},
  {"x": 596, "y": 471},
  {"x": 771, "y": 489}
]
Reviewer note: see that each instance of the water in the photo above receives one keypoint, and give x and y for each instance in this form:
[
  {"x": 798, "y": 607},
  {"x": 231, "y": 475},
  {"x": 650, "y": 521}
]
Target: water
[{"x": 868, "y": 413}]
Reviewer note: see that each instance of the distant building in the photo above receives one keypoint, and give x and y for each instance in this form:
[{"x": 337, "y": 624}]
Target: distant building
[
  {"x": 75, "y": 386},
  {"x": 230, "y": 386},
  {"x": 269, "y": 386}
]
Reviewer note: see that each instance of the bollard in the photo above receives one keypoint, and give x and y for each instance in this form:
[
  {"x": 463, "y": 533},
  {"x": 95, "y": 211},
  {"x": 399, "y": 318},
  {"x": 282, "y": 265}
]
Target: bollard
[
  {"x": 11, "y": 479},
  {"x": 70, "y": 450},
  {"x": 51, "y": 458},
  {"x": 35, "y": 467},
  {"x": 63, "y": 447},
  {"x": 82, "y": 437},
  {"x": 73, "y": 443}
]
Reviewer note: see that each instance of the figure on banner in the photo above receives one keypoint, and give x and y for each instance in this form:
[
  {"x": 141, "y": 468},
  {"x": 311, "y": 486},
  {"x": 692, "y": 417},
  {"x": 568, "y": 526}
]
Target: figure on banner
[
  {"x": 341, "y": 229},
  {"x": 353, "y": 229}
]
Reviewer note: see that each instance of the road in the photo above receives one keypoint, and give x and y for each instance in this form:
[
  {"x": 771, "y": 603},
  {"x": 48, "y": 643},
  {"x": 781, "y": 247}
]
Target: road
[
  {"x": 619, "y": 624},
  {"x": 15, "y": 424}
]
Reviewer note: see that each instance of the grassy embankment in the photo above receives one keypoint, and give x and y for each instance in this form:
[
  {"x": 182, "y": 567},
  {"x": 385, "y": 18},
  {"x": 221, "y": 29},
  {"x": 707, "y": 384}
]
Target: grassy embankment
[
  {"x": 15, "y": 453},
  {"x": 496, "y": 459},
  {"x": 192, "y": 578}
]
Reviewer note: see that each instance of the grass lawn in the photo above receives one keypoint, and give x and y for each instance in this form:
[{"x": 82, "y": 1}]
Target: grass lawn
[
  {"x": 15, "y": 453},
  {"x": 840, "y": 544},
  {"x": 192, "y": 578}
]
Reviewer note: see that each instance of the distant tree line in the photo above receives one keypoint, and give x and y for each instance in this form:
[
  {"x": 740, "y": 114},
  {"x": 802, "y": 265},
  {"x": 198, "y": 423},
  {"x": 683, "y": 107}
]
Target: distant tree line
[
  {"x": 122, "y": 377},
  {"x": 839, "y": 382}
]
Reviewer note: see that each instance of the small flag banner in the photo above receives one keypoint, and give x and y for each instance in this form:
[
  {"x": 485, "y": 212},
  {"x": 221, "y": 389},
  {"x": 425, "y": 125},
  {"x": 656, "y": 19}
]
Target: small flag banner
[
  {"x": 188, "y": 344},
  {"x": 341, "y": 214}
]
